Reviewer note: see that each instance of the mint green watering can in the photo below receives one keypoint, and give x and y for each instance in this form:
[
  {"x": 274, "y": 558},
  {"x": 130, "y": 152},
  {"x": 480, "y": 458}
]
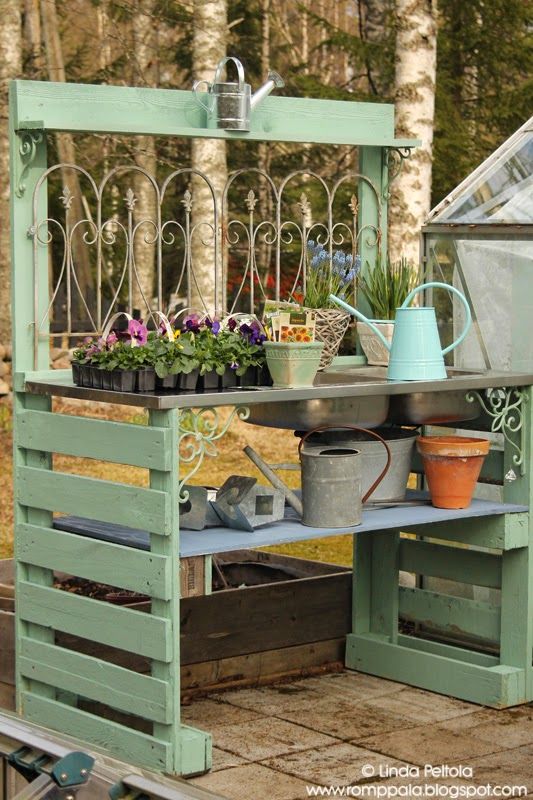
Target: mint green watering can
[{"x": 415, "y": 352}]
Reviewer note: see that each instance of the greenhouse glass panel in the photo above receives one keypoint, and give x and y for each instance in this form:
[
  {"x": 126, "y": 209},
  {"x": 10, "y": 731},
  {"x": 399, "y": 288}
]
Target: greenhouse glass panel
[{"x": 499, "y": 191}]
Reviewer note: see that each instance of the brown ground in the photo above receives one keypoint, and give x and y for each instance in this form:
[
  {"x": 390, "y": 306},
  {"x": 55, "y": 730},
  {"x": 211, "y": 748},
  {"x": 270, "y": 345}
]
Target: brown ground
[{"x": 275, "y": 446}]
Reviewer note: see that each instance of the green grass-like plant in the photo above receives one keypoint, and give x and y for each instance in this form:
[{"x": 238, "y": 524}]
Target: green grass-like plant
[{"x": 387, "y": 285}]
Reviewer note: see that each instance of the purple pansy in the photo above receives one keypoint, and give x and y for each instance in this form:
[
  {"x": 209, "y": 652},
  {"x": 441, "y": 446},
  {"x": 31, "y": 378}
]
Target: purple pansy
[
  {"x": 192, "y": 323},
  {"x": 214, "y": 325},
  {"x": 138, "y": 332}
]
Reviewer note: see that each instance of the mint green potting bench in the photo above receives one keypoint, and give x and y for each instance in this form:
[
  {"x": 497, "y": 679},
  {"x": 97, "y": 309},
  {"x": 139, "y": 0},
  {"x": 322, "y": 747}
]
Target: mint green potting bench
[{"x": 53, "y": 682}]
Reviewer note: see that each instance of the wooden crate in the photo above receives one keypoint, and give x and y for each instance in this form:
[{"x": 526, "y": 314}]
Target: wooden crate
[{"x": 235, "y": 637}]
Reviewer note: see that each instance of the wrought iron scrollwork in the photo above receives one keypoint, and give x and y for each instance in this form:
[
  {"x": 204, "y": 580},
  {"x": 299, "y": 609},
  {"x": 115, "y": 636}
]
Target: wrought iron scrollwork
[
  {"x": 199, "y": 431},
  {"x": 29, "y": 140},
  {"x": 506, "y": 408},
  {"x": 395, "y": 157}
]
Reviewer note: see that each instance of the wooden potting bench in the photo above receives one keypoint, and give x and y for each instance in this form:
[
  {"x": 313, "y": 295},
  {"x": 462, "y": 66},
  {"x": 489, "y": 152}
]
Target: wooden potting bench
[{"x": 53, "y": 683}]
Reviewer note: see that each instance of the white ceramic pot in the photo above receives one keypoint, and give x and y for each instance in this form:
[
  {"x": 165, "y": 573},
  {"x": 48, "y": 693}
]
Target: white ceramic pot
[{"x": 375, "y": 351}]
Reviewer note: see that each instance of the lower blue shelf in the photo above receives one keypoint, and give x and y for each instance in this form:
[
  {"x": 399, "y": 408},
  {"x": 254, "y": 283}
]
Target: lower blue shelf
[{"x": 223, "y": 540}]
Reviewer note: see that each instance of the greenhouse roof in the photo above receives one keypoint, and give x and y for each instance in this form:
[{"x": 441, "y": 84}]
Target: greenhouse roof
[{"x": 499, "y": 191}]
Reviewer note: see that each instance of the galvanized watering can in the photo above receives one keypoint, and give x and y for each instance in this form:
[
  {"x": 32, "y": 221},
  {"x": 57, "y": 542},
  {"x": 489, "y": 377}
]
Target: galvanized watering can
[
  {"x": 331, "y": 482},
  {"x": 230, "y": 104},
  {"x": 415, "y": 353}
]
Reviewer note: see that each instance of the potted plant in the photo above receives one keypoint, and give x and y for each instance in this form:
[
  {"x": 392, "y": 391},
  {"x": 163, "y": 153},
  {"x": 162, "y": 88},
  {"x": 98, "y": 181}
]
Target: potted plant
[
  {"x": 294, "y": 361},
  {"x": 226, "y": 350},
  {"x": 385, "y": 288},
  {"x": 329, "y": 273}
]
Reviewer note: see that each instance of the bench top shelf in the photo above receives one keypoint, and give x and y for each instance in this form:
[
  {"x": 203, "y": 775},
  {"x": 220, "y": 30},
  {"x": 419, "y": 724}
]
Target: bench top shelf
[
  {"x": 58, "y": 383},
  {"x": 224, "y": 540}
]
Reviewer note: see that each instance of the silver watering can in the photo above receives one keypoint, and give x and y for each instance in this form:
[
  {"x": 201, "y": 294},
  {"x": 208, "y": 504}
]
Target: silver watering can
[{"x": 230, "y": 104}]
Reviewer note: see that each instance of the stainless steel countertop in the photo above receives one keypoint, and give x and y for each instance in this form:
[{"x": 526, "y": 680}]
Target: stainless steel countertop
[{"x": 342, "y": 382}]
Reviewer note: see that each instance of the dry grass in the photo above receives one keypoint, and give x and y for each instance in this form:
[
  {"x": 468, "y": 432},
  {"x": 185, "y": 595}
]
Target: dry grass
[{"x": 275, "y": 446}]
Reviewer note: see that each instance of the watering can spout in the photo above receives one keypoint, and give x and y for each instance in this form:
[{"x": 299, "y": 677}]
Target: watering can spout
[
  {"x": 274, "y": 81},
  {"x": 354, "y": 312}
]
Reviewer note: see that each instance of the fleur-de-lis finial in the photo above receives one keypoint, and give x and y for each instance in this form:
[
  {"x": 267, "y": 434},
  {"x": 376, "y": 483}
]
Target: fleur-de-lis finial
[
  {"x": 251, "y": 200},
  {"x": 353, "y": 205},
  {"x": 66, "y": 197},
  {"x": 130, "y": 199},
  {"x": 187, "y": 201},
  {"x": 304, "y": 204}
]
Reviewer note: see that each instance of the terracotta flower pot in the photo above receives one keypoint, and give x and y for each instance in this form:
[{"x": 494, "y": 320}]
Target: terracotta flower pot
[{"x": 452, "y": 465}]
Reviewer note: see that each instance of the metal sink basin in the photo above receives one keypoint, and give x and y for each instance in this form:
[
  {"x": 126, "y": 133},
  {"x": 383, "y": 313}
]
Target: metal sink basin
[
  {"x": 442, "y": 405},
  {"x": 367, "y": 412}
]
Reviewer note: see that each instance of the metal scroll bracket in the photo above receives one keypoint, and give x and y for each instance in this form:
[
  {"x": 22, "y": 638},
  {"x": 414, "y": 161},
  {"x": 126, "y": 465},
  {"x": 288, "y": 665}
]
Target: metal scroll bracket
[
  {"x": 199, "y": 431},
  {"x": 506, "y": 408},
  {"x": 29, "y": 140}
]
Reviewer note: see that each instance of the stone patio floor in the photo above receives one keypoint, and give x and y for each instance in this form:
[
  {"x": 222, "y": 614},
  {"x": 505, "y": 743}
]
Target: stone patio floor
[{"x": 349, "y": 729}]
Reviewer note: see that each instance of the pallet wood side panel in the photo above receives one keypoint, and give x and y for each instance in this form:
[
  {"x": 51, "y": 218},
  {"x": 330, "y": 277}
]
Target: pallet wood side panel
[
  {"x": 452, "y": 616},
  {"x": 139, "y": 633},
  {"x": 107, "y": 501},
  {"x": 453, "y": 563},
  {"x": 104, "y": 562},
  {"x": 116, "y": 739},
  {"x": 494, "y": 686},
  {"x": 95, "y": 679},
  {"x": 105, "y": 440}
]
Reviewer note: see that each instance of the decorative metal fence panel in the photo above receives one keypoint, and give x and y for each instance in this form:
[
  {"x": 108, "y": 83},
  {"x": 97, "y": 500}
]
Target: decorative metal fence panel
[{"x": 216, "y": 249}]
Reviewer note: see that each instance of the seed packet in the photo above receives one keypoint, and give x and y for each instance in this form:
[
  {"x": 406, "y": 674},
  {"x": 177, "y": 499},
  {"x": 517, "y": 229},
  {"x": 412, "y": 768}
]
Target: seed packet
[{"x": 297, "y": 326}]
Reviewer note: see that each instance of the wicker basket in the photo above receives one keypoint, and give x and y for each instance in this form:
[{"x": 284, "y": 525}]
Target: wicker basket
[{"x": 331, "y": 325}]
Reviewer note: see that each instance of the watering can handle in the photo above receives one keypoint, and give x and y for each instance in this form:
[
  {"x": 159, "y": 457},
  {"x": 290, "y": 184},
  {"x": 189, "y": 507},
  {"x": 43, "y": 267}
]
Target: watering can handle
[
  {"x": 207, "y": 106},
  {"x": 240, "y": 71},
  {"x": 361, "y": 430},
  {"x": 462, "y": 298}
]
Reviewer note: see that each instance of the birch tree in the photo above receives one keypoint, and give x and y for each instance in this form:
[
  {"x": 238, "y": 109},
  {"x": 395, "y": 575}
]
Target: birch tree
[
  {"x": 67, "y": 154},
  {"x": 145, "y": 69},
  {"x": 10, "y": 67},
  {"x": 415, "y": 76},
  {"x": 207, "y": 155}
]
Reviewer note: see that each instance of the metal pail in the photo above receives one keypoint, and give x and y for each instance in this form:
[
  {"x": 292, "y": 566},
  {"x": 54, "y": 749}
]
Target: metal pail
[
  {"x": 331, "y": 483},
  {"x": 401, "y": 443}
]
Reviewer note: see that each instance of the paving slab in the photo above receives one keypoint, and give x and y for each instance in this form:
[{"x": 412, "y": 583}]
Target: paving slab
[
  {"x": 347, "y": 719},
  {"x": 335, "y": 765},
  {"x": 512, "y": 727},
  {"x": 418, "y": 708},
  {"x": 223, "y": 760},
  {"x": 433, "y": 744},
  {"x": 209, "y": 713},
  {"x": 512, "y": 767},
  {"x": 267, "y": 737},
  {"x": 252, "y": 782}
]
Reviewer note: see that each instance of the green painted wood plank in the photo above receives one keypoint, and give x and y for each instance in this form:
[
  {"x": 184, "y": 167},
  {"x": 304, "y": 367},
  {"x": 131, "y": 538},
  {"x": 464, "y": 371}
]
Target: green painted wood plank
[
  {"x": 449, "y": 651},
  {"x": 129, "y": 745},
  {"x": 105, "y": 440},
  {"x": 95, "y": 679},
  {"x": 37, "y": 574},
  {"x": 454, "y": 563},
  {"x": 133, "y": 506},
  {"x": 495, "y": 686},
  {"x": 502, "y": 532},
  {"x": 196, "y": 751},
  {"x": 168, "y": 547},
  {"x": 163, "y": 112},
  {"x": 362, "y": 582},
  {"x": 385, "y": 574},
  {"x": 143, "y": 634},
  {"x": 456, "y": 616},
  {"x": 517, "y": 608},
  {"x": 95, "y": 560}
]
